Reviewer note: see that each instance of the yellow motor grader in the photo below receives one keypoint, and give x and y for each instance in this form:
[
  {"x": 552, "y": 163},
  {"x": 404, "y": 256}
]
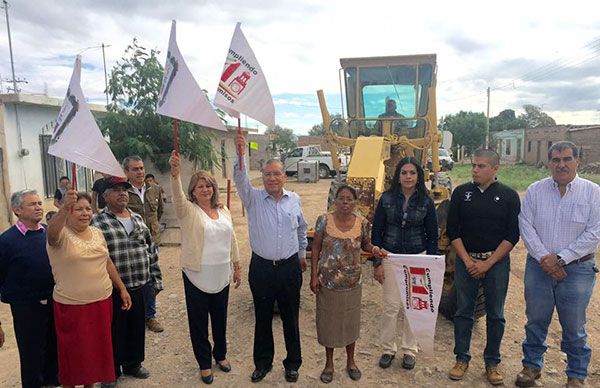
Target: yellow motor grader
[{"x": 390, "y": 113}]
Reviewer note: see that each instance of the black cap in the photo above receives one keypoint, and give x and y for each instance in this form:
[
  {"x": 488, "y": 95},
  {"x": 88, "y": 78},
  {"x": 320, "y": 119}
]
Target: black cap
[{"x": 115, "y": 181}]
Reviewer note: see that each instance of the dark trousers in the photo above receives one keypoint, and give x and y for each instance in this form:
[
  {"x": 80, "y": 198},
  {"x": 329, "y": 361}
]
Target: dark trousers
[
  {"x": 281, "y": 283},
  {"x": 128, "y": 332},
  {"x": 36, "y": 340},
  {"x": 495, "y": 287},
  {"x": 150, "y": 299},
  {"x": 199, "y": 306}
]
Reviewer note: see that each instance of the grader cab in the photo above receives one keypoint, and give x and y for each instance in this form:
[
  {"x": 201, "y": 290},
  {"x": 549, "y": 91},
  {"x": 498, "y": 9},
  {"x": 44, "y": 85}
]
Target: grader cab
[{"x": 390, "y": 113}]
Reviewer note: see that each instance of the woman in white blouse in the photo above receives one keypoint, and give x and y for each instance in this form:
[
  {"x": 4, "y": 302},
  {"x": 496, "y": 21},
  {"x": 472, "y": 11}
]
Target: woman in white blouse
[{"x": 208, "y": 250}]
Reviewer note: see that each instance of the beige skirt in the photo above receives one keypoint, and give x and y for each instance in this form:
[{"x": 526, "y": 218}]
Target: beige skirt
[{"x": 338, "y": 317}]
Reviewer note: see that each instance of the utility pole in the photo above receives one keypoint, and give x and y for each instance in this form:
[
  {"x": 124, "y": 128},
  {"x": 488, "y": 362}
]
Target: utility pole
[
  {"x": 487, "y": 124},
  {"x": 105, "y": 75},
  {"x": 102, "y": 46},
  {"x": 12, "y": 63}
]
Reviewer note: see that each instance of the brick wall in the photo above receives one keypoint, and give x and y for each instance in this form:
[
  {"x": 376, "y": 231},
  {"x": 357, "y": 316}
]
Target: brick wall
[
  {"x": 589, "y": 140},
  {"x": 538, "y": 140}
]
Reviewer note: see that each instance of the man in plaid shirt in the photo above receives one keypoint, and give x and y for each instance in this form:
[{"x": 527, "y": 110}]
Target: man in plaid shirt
[{"x": 136, "y": 258}]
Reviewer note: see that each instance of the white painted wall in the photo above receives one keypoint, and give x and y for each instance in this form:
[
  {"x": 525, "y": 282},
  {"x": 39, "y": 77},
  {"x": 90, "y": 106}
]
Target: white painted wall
[{"x": 26, "y": 172}]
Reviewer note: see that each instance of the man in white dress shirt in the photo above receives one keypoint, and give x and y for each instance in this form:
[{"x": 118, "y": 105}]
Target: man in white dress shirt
[{"x": 560, "y": 225}]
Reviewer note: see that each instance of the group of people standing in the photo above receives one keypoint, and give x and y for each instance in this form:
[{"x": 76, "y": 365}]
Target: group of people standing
[
  {"x": 78, "y": 287},
  {"x": 98, "y": 273}
]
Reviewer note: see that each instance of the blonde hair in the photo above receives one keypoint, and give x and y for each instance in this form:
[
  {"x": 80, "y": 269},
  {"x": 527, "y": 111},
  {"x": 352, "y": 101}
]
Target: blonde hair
[{"x": 214, "y": 199}]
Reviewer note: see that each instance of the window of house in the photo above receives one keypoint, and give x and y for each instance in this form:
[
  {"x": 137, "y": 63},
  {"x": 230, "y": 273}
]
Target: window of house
[
  {"x": 529, "y": 146},
  {"x": 53, "y": 168},
  {"x": 507, "y": 151},
  {"x": 549, "y": 144}
]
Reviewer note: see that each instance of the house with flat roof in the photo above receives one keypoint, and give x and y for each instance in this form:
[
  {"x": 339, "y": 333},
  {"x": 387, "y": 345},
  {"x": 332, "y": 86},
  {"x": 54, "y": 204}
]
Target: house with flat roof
[{"x": 26, "y": 124}]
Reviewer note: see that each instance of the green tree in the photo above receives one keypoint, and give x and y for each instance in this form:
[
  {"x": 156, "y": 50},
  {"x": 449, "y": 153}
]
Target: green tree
[
  {"x": 316, "y": 130},
  {"x": 468, "y": 128},
  {"x": 132, "y": 123},
  {"x": 282, "y": 139},
  {"x": 534, "y": 117},
  {"x": 506, "y": 119},
  {"x": 336, "y": 126}
]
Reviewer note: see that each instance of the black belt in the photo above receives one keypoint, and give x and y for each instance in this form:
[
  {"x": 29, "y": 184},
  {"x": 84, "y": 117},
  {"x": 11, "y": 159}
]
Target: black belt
[
  {"x": 582, "y": 259},
  {"x": 276, "y": 263}
]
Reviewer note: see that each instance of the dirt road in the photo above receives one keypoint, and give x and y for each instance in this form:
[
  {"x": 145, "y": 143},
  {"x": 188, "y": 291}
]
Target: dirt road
[{"x": 170, "y": 360}]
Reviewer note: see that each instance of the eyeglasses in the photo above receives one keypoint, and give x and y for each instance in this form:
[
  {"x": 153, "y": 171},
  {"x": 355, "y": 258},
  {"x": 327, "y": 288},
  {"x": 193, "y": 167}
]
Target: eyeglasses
[
  {"x": 270, "y": 174},
  {"x": 565, "y": 160}
]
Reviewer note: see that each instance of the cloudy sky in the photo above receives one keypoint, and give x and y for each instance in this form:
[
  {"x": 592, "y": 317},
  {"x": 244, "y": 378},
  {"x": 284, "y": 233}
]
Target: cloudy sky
[{"x": 527, "y": 52}]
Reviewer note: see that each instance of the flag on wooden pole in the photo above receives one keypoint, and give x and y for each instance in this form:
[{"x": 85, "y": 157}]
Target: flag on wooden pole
[
  {"x": 180, "y": 96},
  {"x": 76, "y": 136},
  {"x": 243, "y": 87}
]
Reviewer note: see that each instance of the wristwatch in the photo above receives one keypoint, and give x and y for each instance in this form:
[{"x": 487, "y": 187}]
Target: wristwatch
[{"x": 561, "y": 261}]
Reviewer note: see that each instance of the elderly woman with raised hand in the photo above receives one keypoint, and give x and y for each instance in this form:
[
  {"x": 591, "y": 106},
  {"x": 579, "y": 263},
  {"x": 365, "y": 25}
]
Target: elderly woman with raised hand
[
  {"x": 84, "y": 275},
  {"x": 404, "y": 222},
  {"x": 208, "y": 249},
  {"x": 336, "y": 278}
]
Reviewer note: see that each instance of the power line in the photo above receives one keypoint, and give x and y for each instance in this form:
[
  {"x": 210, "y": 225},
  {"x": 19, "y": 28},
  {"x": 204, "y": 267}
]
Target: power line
[
  {"x": 560, "y": 64},
  {"x": 586, "y": 53}
]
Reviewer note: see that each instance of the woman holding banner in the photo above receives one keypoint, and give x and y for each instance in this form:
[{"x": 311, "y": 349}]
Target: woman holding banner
[
  {"x": 405, "y": 222},
  {"x": 208, "y": 250},
  {"x": 336, "y": 278},
  {"x": 84, "y": 275}
]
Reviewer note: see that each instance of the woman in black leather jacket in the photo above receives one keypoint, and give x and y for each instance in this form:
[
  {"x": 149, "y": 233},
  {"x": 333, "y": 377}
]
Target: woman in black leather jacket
[{"x": 405, "y": 222}]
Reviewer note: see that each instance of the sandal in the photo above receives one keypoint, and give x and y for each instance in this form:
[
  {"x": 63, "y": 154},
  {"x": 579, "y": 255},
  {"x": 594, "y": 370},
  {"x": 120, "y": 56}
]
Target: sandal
[
  {"x": 327, "y": 376},
  {"x": 354, "y": 373}
]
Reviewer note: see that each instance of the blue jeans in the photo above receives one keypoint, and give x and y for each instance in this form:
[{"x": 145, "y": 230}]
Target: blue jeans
[
  {"x": 571, "y": 298},
  {"x": 150, "y": 299},
  {"x": 495, "y": 287}
]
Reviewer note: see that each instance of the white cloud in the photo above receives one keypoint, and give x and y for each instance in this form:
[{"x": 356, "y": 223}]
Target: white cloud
[{"x": 299, "y": 43}]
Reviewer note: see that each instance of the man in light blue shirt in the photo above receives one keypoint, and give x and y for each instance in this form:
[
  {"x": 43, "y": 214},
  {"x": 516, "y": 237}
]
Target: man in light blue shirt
[
  {"x": 560, "y": 225},
  {"x": 278, "y": 239}
]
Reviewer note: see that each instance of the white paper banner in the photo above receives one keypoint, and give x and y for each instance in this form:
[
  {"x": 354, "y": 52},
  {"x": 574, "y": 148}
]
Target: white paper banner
[
  {"x": 180, "y": 96},
  {"x": 243, "y": 87},
  {"x": 76, "y": 136},
  {"x": 420, "y": 280}
]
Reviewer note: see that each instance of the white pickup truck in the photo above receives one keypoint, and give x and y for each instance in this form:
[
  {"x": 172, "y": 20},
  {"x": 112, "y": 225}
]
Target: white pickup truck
[{"x": 313, "y": 152}]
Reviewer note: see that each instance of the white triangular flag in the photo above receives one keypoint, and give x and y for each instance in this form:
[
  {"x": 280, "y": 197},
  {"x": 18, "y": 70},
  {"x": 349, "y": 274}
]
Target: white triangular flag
[
  {"x": 420, "y": 279},
  {"x": 243, "y": 87},
  {"x": 76, "y": 136},
  {"x": 180, "y": 96}
]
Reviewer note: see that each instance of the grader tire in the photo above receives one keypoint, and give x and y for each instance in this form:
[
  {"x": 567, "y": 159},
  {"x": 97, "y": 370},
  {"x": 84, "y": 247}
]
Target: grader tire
[{"x": 448, "y": 303}]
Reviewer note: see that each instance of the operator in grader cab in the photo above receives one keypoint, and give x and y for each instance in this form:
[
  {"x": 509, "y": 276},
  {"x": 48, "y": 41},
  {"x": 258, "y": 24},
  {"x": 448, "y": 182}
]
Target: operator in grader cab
[{"x": 390, "y": 111}]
